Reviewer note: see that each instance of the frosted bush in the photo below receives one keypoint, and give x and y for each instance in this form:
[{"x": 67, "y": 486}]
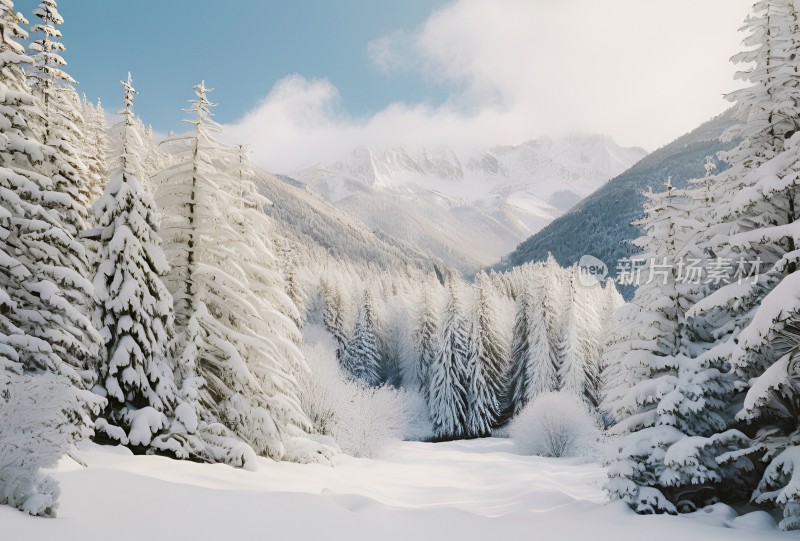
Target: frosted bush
[
  {"x": 364, "y": 421},
  {"x": 556, "y": 425},
  {"x": 40, "y": 418}
]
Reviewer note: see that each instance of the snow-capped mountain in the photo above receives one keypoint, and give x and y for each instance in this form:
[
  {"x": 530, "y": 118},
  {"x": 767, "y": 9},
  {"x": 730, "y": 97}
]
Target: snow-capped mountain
[{"x": 469, "y": 208}]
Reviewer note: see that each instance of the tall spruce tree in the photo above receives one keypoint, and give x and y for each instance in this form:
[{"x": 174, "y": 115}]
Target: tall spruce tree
[
  {"x": 235, "y": 366},
  {"x": 487, "y": 362},
  {"x": 426, "y": 338},
  {"x": 333, "y": 316},
  {"x": 362, "y": 356},
  {"x": 449, "y": 378},
  {"x": 50, "y": 290},
  {"x": 134, "y": 306},
  {"x": 657, "y": 388},
  {"x": 94, "y": 147},
  {"x": 60, "y": 125}
]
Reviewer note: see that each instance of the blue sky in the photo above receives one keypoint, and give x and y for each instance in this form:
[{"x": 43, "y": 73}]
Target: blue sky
[
  {"x": 241, "y": 48},
  {"x": 306, "y": 81}
]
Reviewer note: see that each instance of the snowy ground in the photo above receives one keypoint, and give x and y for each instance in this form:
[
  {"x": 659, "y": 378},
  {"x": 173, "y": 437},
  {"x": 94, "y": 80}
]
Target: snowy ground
[{"x": 464, "y": 490}]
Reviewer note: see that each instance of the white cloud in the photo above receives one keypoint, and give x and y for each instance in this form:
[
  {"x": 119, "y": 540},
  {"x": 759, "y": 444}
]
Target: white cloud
[
  {"x": 643, "y": 72},
  {"x": 390, "y": 53}
]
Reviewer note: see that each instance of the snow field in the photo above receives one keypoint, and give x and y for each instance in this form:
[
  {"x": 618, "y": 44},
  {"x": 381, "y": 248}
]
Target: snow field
[{"x": 477, "y": 489}]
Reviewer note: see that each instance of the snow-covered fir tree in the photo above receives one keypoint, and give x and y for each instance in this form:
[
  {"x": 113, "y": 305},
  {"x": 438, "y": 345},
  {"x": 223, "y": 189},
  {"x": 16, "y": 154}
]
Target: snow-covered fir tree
[
  {"x": 45, "y": 343},
  {"x": 656, "y": 390},
  {"x": 737, "y": 323},
  {"x": 235, "y": 365},
  {"x": 94, "y": 146},
  {"x": 399, "y": 365},
  {"x": 769, "y": 106},
  {"x": 426, "y": 338},
  {"x": 580, "y": 345},
  {"x": 135, "y": 310},
  {"x": 62, "y": 117},
  {"x": 449, "y": 376},
  {"x": 487, "y": 362},
  {"x": 555, "y": 300},
  {"x": 533, "y": 362},
  {"x": 49, "y": 288},
  {"x": 333, "y": 316},
  {"x": 362, "y": 356}
]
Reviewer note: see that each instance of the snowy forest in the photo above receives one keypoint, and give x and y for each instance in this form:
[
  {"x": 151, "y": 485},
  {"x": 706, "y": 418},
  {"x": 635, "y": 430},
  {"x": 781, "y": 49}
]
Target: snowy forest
[{"x": 154, "y": 297}]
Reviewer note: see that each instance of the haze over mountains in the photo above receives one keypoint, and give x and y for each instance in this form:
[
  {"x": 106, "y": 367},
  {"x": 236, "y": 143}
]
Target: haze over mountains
[{"x": 470, "y": 208}]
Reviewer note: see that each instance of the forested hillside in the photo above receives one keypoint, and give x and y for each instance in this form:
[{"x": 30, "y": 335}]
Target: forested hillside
[{"x": 601, "y": 224}]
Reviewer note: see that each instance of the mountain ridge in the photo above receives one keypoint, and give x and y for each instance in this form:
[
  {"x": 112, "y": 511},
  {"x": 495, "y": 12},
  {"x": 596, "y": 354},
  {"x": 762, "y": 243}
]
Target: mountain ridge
[
  {"x": 471, "y": 208},
  {"x": 600, "y": 225}
]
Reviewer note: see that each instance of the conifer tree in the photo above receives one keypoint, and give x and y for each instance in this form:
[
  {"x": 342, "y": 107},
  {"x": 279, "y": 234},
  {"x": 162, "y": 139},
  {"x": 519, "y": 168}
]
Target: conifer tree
[
  {"x": 134, "y": 306},
  {"x": 45, "y": 343},
  {"x": 580, "y": 346},
  {"x": 333, "y": 317},
  {"x": 742, "y": 321},
  {"x": 555, "y": 300},
  {"x": 296, "y": 293},
  {"x": 657, "y": 389},
  {"x": 62, "y": 117},
  {"x": 426, "y": 339},
  {"x": 362, "y": 356},
  {"x": 94, "y": 148},
  {"x": 49, "y": 288},
  {"x": 769, "y": 107},
  {"x": 449, "y": 378},
  {"x": 236, "y": 366},
  {"x": 486, "y": 363}
]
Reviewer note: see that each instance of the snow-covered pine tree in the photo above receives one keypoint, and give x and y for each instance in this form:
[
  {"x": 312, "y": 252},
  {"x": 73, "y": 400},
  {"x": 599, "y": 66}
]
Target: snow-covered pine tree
[
  {"x": 769, "y": 107},
  {"x": 296, "y": 293},
  {"x": 752, "y": 208},
  {"x": 516, "y": 395},
  {"x": 426, "y": 337},
  {"x": 135, "y": 310},
  {"x": 572, "y": 373},
  {"x": 62, "y": 117},
  {"x": 772, "y": 404},
  {"x": 655, "y": 390},
  {"x": 333, "y": 316},
  {"x": 487, "y": 363},
  {"x": 232, "y": 366},
  {"x": 449, "y": 379},
  {"x": 94, "y": 146},
  {"x": 264, "y": 273},
  {"x": 49, "y": 287},
  {"x": 153, "y": 158},
  {"x": 555, "y": 303},
  {"x": 362, "y": 356},
  {"x": 42, "y": 412},
  {"x": 399, "y": 359},
  {"x": 741, "y": 322},
  {"x": 580, "y": 346},
  {"x": 533, "y": 369}
]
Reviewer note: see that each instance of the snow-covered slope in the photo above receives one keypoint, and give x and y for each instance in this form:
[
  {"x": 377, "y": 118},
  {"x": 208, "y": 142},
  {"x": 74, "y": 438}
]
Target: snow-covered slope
[
  {"x": 306, "y": 218},
  {"x": 469, "y": 209},
  {"x": 601, "y": 224},
  {"x": 468, "y": 490}
]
